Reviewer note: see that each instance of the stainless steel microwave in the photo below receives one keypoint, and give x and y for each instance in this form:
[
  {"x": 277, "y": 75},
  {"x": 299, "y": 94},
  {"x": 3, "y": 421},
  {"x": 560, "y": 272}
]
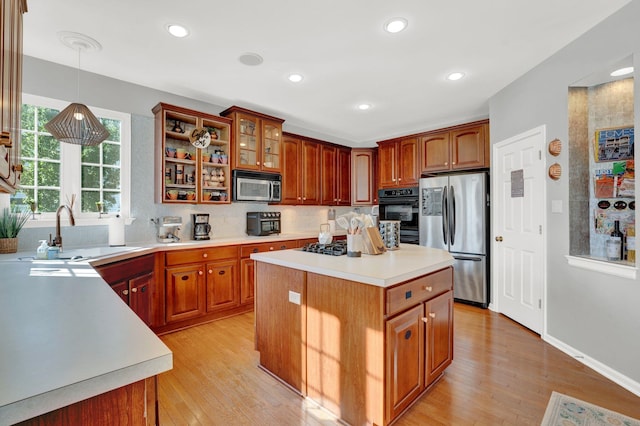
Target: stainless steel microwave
[{"x": 256, "y": 186}]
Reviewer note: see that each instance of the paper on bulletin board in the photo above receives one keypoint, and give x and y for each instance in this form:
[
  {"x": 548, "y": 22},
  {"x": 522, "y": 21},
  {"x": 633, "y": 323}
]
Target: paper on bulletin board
[
  {"x": 614, "y": 144},
  {"x": 604, "y": 220}
]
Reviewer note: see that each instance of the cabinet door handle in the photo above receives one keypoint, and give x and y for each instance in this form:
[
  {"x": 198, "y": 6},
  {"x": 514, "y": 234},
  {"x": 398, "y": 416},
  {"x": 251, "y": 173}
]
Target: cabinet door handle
[
  {"x": 125, "y": 292},
  {"x": 205, "y": 255},
  {"x": 407, "y": 335},
  {"x": 446, "y": 163},
  {"x": 432, "y": 314},
  {"x": 271, "y": 248},
  {"x": 221, "y": 272},
  {"x": 428, "y": 288},
  {"x": 199, "y": 273},
  {"x": 425, "y": 319},
  {"x": 210, "y": 271},
  {"x": 134, "y": 290},
  {"x": 257, "y": 163},
  {"x": 186, "y": 277},
  {"x": 255, "y": 250},
  {"x": 283, "y": 247}
]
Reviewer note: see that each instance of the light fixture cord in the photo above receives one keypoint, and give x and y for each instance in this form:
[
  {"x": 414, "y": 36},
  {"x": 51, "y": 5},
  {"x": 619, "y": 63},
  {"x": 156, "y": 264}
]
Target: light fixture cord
[{"x": 78, "y": 79}]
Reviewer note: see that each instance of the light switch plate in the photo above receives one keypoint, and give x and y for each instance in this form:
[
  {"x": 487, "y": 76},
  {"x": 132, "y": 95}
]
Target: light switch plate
[{"x": 294, "y": 297}]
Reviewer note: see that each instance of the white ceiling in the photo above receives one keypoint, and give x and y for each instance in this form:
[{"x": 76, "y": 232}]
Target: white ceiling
[{"x": 338, "y": 45}]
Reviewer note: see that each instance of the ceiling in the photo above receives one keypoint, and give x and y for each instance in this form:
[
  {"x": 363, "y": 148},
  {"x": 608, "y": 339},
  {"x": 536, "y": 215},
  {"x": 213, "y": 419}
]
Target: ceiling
[{"x": 339, "y": 47}]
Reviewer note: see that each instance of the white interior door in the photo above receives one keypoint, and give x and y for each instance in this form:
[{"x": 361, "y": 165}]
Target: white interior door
[{"x": 518, "y": 220}]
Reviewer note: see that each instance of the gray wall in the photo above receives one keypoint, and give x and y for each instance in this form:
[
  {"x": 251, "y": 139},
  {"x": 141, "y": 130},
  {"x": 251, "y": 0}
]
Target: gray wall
[
  {"x": 59, "y": 82},
  {"x": 596, "y": 314}
]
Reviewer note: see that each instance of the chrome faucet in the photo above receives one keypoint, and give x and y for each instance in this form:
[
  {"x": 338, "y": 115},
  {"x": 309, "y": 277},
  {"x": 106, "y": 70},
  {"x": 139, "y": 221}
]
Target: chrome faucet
[{"x": 57, "y": 241}]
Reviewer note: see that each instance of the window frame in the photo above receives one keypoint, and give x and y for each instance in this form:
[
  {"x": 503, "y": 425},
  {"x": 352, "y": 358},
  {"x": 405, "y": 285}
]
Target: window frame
[{"x": 71, "y": 177}]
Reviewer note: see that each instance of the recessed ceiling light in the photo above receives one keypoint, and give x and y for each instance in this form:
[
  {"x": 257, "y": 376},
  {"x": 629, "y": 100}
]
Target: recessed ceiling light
[
  {"x": 395, "y": 25},
  {"x": 455, "y": 76},
  {"x": 251, "y": 59},
  {"x": 177, "y": 30},
  {"x": 295, "y": 78},
  {"x": 622, "y": 71},
  {"x": 364, "y": 107}
]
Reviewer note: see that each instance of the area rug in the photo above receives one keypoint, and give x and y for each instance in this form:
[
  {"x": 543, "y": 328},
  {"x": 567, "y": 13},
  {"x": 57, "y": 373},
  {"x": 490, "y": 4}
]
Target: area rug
[{"x": 564, "y": 410}]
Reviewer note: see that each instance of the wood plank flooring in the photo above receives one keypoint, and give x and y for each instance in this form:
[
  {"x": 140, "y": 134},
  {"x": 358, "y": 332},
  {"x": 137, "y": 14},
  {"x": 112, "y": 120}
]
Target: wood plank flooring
[{"x": 502, "y": 374}]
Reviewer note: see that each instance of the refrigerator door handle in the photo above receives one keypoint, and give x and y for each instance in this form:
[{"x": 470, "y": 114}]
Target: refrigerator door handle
[
  {"x": 474, "y": 259},
  {"x": 452, "y": 218},
  {"x": 445, "y": 216}
]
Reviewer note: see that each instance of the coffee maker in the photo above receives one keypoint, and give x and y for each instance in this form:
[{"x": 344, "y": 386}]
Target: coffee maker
[{"x": 201, "y": 227}]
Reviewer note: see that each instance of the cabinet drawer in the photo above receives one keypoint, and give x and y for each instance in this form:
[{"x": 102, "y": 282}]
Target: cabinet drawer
[
  {"x": 246, "y": 250},
  {"x": 416, "y": 291},
  {"x": 126, "y": 269},
  {"x": 200, "y": 255}
]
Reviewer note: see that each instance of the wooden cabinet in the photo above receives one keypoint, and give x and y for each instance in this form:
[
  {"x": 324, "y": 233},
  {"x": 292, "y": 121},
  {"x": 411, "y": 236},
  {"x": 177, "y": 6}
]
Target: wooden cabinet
[
  {"x": 301, "y": 172},
  {"x": 405, "y": 356},
  {"x": 247, "y": 266},
  {"x": 200, "y": 282},
  {"x": 257, "y": 140},
  {"x": 335, "y": 170},
  {"x": 184, "y": 292},
  {"x": 419, "y": 338},
  {"x": 361, "y": 351},
  {"x": 398, "y": 163},
  {"x": 438, "y": 336},
  {"x": 223, "y": 291},
  {"x": 462, "y": 147},
  {"x": 134, "y": 281},
  {"x": 193, "y": 156},
  {"x": 364, "y": 188},
  {"x": 11, "y": 93}
]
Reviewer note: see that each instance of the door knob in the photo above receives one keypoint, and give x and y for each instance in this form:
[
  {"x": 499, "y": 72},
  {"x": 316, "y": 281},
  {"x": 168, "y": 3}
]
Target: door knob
[{"x": 499, "y": 239}]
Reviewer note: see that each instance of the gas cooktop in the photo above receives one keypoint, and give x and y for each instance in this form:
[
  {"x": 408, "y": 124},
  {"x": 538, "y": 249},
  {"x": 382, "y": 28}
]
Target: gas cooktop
[{"x": 336, "y": 248}]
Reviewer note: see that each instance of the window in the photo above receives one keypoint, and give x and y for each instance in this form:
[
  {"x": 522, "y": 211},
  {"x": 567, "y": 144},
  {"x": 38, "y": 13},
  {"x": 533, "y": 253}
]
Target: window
[{"x": 53, "y": 172}]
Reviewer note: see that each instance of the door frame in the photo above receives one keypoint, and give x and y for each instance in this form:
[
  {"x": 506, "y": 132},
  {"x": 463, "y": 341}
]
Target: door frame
[{"x": 494, "y": 305}]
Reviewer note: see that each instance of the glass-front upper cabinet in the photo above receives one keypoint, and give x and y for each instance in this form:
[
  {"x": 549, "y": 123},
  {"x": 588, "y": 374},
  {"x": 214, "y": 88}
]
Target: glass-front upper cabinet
[{"x": 257, "y": 141}]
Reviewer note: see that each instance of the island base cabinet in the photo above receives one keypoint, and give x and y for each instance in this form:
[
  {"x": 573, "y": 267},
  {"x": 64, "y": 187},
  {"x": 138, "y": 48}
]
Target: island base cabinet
[
  {"x": 135, "y": 404},
  {"x": 280, "y": 323},
  {"x": 405, "y": 355},
  {"x": 439, "y": 335}
]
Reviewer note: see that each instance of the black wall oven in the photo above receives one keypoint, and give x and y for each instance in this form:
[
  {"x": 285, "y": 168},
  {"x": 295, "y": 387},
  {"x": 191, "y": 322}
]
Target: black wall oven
[{"x": 402, "y": 204}]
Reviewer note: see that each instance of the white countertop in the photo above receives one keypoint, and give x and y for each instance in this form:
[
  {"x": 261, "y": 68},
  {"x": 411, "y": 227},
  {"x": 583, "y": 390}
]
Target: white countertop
[
  {"x": 383, "y": 270},
  {"x": 65, "y": 336}
]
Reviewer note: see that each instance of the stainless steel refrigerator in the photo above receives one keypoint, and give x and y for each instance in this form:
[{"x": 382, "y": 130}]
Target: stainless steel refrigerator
[{"x": 454, "y": 213}]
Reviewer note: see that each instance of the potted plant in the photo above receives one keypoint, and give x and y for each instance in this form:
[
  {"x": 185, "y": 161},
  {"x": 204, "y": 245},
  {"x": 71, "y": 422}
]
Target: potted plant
[{"x": 11, "y": 222}]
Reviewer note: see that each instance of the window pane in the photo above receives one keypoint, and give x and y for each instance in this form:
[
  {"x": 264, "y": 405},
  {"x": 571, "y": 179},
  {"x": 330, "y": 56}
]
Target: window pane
[
  {"x": 27, "y": 144},
  {"x": 44, "y": 115},
  {"x": 111, "y": 154},
  {"x": 89, "y": 200},
  {"x": 111, "y": 202},
  {"x": 113, "y": 126},
  {"x": 48, "y": 147},
  {"x": 90, "y": 177},
  {"x": 48, "y": 173},
  {"x": 91, "y": 154},
  {"x": 111, "y": 178},
  {"x": 27, "y": 178},
  {"x": 28, "y": 117},
  {"x": 48, "y": 200}
]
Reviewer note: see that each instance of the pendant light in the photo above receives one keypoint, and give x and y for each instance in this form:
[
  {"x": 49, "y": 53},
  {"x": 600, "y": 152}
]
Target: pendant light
[{"x": 76, "y": 124}]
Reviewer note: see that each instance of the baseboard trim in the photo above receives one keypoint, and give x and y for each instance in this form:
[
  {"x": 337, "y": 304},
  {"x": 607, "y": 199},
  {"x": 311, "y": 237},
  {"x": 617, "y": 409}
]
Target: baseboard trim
[{"x": 606, "y": 371}]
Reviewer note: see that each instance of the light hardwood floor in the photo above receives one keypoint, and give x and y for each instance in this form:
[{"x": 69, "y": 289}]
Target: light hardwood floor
[{"x": 502, "y": 374}]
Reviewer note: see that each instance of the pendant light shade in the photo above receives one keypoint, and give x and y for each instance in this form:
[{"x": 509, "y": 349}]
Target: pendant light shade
[{"x": 76, "y": 124}]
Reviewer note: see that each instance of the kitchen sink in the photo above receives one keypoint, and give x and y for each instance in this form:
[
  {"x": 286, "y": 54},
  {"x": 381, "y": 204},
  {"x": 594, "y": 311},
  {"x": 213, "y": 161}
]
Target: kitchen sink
[{"x": 77, "y": 255}]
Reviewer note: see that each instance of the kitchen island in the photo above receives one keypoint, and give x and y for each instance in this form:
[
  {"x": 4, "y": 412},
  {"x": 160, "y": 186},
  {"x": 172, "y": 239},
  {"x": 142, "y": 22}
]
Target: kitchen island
[
  {"x": 363, "y": 337},
  {"x": 69, "y": 345}
]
